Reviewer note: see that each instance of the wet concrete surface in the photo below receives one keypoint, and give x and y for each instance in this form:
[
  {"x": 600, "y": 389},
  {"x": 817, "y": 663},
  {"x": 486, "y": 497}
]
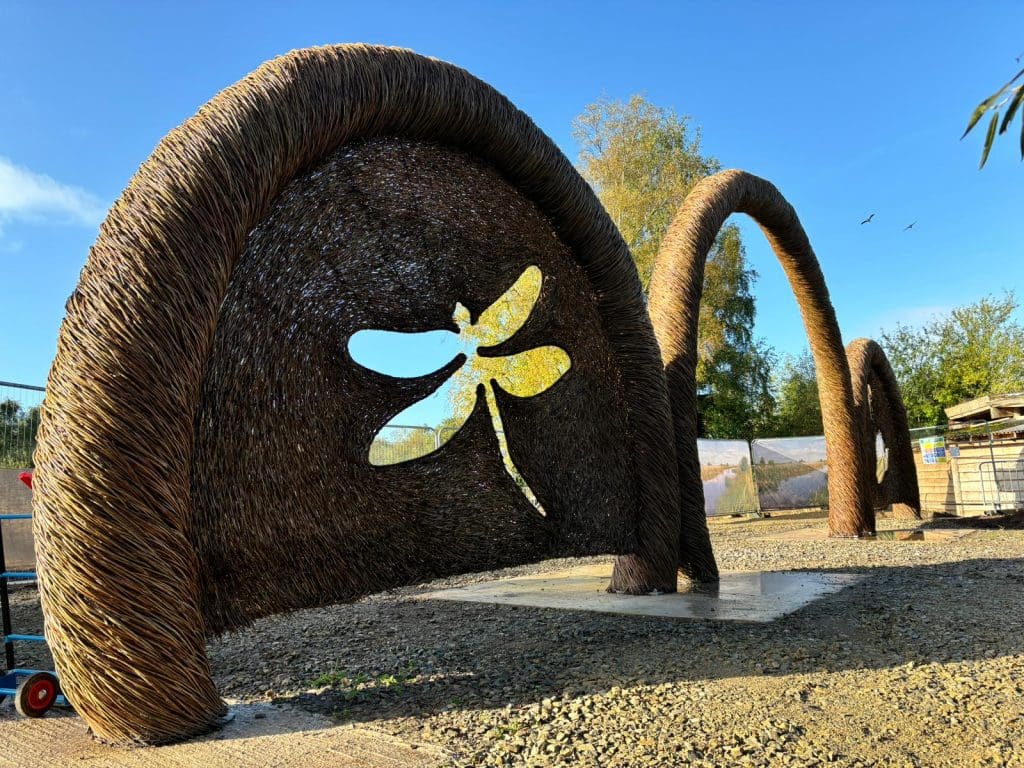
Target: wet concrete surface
[{"x": 755, "y": 596}]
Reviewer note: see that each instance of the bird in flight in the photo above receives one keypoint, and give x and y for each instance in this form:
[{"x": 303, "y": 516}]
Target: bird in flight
[
  {"x": 909, "y": 226},
  {"x": 868, "y": 219}
]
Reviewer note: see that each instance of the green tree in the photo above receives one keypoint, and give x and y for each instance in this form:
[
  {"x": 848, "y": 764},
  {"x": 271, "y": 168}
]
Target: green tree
[
  {"x": 798, "y": 410},
  {"x": 735, "y": 396},
  {"x": 733, "y": 369},
  {"x": 643, "y": 160},
  {"x": 973, "y": 351}
]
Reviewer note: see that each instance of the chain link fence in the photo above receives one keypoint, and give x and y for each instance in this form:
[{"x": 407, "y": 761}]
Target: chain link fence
[
  {"x": 401, "y": 443},
  {"x": 19, "y": 421}
]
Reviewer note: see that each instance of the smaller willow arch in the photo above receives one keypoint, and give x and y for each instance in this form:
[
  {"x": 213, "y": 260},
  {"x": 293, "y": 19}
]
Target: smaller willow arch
[
  {"x": 879, "y": 407},
  {"x": 675, "y": 296}
]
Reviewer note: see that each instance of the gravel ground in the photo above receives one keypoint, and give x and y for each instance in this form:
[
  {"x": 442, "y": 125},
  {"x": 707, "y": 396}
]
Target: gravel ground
[{"x": 921, "y": 664}]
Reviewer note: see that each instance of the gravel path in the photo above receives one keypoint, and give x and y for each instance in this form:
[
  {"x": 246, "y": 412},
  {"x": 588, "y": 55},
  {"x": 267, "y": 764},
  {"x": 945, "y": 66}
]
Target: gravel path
[{"x": 921, "y": 664}]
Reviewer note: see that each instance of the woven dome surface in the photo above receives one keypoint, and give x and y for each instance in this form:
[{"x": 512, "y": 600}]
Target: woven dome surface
[
  {"x": 390, "y": 234},
  {"x": 146, "y": 488}
]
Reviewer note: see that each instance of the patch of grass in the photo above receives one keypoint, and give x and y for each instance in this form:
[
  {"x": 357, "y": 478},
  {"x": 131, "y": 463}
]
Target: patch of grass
[
  {"x": 341, "y": 715},
  {"x": 360, "y": 684},
  {"x": 505, "y": 730},
  {"x": 337, "y": 679}
]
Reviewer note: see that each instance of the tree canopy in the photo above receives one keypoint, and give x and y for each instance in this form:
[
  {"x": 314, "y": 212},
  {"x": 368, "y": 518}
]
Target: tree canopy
[
  {"x": 975, "y": 350},
  {"x": 733, "y": 368},
  {"x": 643, "y": 160},
  {"x": 798, "y": 409}
]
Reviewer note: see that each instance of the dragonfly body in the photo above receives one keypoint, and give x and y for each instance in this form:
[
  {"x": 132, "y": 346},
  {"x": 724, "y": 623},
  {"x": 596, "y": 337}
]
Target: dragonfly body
[{"x": 523, "y": 374}]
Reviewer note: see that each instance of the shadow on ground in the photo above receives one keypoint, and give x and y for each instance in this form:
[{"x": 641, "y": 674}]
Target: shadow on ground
[
  {"x": 412, "y": 659},
  {"x": 1008, "y": 521},
  {"x": 401, "y": 657}
]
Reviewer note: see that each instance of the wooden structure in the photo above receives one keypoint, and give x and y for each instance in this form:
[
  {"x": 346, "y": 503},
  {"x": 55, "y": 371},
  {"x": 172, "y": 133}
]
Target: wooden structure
[
  {"x": 983, "y": 467},
  {"x": 202, "y": 458},
  {"x": 983, "y": 478},
  {"x": 990, "y": 408}
]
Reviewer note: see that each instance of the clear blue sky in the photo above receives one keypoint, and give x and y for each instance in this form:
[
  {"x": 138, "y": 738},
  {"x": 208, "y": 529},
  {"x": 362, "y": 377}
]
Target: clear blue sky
[{"x": 848, "y": 108}]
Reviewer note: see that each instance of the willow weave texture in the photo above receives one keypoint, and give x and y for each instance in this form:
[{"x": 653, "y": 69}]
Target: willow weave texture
[
  {"x": 676, "y": 286},
  {"x": 879, "y": 408},
  {"x": 204, "y": 430},
  {"x": 126, "y": 522}
]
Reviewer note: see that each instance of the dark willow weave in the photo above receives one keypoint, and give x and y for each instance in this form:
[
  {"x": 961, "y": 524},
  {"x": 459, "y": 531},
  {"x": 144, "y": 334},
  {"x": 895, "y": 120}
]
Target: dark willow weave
[{"x": 390, "y": 234}]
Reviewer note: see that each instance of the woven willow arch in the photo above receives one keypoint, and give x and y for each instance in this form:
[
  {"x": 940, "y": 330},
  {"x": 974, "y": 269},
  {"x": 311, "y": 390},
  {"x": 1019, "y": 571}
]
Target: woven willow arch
[
  {"x": 879, "y": 407},
  {"x": 675, "y": 296},
  {"x": 111, "y": 503}
]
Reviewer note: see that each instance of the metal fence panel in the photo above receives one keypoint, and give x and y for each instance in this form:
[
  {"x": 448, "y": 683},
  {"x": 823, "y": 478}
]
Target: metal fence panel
[
  {"x": 16, "y": 499},
  {"x": 19, "y": 421},
  {"x": 728, "y": 483},
  {"x": 1002, "y": 485},
  {"x": 402, "y": 444},
  {"x": 790, "y": 472},
  {"x": 881, "y": 458},
  {"x": 917, "y": 433}
]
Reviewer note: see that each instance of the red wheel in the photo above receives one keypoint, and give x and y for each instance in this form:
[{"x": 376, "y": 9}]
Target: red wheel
[{"x": 36, "y": 694}]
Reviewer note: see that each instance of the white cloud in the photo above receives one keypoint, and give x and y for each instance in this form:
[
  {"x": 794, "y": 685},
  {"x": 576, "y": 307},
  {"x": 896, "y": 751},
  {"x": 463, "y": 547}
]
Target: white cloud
[{"x": 31, "y": 196}]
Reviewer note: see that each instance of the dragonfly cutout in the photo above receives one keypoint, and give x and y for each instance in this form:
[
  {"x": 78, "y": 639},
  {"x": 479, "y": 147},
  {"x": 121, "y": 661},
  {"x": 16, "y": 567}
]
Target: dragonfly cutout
[{"x": 447, "y": 408}]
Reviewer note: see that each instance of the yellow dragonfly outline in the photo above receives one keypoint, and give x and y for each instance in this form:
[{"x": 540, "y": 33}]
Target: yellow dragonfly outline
[{"x": 496, "y": 325}]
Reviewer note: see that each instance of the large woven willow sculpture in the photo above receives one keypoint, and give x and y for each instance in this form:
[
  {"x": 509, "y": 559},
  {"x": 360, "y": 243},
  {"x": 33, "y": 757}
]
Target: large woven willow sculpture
[
  {"x": 675, "y": 295},
  {"x": 202, "y": 457},
  {"x": 203, "y": 454},
  {"x": 879, "y": 407}
]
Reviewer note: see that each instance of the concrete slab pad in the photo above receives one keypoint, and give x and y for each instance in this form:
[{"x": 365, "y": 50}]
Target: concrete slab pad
[{"x": 757, "y": 596}]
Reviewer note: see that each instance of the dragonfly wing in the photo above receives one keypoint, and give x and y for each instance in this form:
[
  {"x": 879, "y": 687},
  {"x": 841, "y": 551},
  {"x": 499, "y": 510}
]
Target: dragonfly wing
[
  {"x": 506, "y": 316},
  {"x": 529, "y": 373},
  {"x": 427, "y": 424},
  {"x": 403, "y": 355}
]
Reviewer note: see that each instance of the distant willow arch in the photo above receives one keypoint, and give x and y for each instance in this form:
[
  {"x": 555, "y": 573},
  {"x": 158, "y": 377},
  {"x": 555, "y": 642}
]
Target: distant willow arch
[
  {"x": 878, "y": 404},
  {"x": 675, "y": 296},
  {"x": 114, "y": 516}
]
